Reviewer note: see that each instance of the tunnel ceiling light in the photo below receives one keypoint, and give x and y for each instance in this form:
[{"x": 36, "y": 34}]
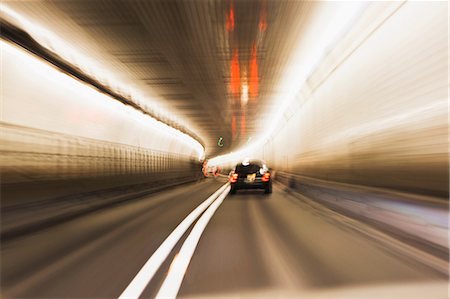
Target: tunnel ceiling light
[
  {"x": 327, "y": 26},
  {"x": 88, "y": 65},
  {"x": 244, "y": 95}
]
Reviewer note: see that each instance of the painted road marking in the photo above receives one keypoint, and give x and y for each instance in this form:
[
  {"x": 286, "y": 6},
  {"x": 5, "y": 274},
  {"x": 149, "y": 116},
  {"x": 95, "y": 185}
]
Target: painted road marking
[
  {"x": 180, "y": 263},
  {"x": 141, "y": 280}
]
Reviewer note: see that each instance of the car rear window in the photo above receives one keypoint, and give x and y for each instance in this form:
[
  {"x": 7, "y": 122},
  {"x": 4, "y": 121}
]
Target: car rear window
[{"x": 251, "y": 168}]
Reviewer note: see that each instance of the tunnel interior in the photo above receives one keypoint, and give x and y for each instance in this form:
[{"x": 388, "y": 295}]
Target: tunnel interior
[{"x": 103, "y": 102}]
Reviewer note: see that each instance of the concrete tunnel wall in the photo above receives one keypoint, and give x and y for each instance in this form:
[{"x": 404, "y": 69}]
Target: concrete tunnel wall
[
  {"x": 374, "y": 111},
  {"x": 62, "y": 135}
]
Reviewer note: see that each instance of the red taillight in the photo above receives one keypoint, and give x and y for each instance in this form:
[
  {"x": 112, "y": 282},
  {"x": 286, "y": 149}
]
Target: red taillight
[
  {"x": 233, "y": 178},
  {"x": 266, "y": 177}
]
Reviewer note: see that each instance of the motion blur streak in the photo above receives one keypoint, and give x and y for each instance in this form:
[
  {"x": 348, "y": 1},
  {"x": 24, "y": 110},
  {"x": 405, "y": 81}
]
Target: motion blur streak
[
  {"x": 82, "y": 110},
  {"x": 87, "y": 64},
  {"x": 47, "y": 109},
  {"x": 396, "y": 133}
]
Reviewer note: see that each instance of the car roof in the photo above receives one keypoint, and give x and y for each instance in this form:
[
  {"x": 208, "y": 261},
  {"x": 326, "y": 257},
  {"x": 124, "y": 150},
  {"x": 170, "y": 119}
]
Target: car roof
[{"x": 252, "y": 162}]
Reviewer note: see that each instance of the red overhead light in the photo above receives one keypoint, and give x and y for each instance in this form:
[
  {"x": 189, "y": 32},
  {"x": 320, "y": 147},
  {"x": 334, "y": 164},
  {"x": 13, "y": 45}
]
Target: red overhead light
[
  {"x": 235, "y": 74},
  {"x": 263, "y": 23},
  {"x": 230, "y": 20},
  {"x": 253, "y": 79},
  {"x": 263, "y": 17}
]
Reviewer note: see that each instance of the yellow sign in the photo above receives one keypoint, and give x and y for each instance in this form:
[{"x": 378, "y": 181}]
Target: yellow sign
[{"x": 251, "y": 177}]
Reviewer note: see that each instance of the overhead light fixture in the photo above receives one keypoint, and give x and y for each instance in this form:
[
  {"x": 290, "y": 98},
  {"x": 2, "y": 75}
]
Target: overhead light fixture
[{"x": 244, "y": 95}]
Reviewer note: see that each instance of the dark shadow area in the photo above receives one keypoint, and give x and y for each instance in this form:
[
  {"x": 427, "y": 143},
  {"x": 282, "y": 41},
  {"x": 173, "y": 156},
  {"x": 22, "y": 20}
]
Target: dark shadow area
[{"x": 251, "y": 194}]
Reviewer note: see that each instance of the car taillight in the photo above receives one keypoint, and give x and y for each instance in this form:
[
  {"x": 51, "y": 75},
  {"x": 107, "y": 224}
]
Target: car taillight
[
  {"x": 233, "y": 178},
  {"x": 266, "y": 177}
]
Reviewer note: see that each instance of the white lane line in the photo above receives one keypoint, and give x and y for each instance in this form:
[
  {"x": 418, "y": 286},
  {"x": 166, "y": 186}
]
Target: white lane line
[
  {"x": 172, "y": 283},
  {"x": 138, "y": 284}
]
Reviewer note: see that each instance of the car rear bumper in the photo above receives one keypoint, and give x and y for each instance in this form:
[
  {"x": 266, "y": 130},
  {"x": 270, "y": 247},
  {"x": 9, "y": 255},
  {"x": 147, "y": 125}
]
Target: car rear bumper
[{"x": 252, "y": 185}]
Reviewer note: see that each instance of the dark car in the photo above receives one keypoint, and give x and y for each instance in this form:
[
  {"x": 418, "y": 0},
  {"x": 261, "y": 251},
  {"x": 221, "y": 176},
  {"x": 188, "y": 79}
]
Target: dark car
[{"x": 252, "y": 174}]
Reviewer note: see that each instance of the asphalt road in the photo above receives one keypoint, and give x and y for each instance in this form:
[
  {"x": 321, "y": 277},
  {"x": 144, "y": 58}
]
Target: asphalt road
[{"x": 254, "y": 245}]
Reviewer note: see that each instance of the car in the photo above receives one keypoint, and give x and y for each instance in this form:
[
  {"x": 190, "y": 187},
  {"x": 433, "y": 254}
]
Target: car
[
  {"x": 250, "y": 174},
  {"x": 211, "y": 171}
]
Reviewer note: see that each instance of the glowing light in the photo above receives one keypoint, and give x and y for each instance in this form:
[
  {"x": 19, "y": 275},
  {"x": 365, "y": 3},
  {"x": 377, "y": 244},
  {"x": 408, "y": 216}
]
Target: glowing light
[
  {"x": 253, "y": 79},
  {"x": 244, "y": 95},
  {"x": 235, "y": 74},
  {"x": 230, "y": 19},
  {"x": 263, "y": 19}
]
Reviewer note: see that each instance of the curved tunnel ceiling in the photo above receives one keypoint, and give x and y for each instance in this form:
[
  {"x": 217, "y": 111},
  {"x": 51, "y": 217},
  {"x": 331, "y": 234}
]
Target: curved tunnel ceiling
[{"x": 214, "y": 64}]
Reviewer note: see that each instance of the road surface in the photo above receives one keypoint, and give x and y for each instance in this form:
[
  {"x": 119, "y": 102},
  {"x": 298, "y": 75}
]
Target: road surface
[{"x": 253, "y": 245}]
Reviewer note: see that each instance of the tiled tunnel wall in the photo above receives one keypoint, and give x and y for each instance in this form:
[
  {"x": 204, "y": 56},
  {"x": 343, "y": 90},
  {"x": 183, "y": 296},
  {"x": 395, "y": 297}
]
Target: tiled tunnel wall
[
  {"x": 374, "y": 111},
  {"x": 32, "y": 154}
]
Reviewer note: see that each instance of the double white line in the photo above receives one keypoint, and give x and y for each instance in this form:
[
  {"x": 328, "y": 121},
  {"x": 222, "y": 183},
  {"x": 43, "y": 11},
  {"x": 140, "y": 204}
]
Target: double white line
[{"x": 174, "y": 278}]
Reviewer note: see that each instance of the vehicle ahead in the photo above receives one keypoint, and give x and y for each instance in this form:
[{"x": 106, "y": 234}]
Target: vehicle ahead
[
  {"x": 211, "y": 171},
  {"x": 251, "y": 174}
]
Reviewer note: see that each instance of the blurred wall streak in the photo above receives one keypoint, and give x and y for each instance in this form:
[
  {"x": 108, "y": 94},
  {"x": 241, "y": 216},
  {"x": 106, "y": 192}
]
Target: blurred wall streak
[
  {"x": 60, "y": 136},
  {"x": 38, "y": 155},
  {"x": 374, "y": 111}
]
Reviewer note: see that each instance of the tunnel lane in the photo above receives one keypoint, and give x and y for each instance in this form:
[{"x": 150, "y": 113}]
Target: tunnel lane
[
  {"x": 259, "y": 244},
  {"x": 97, "y": 255},
  {"x": 253, "y": 243}
]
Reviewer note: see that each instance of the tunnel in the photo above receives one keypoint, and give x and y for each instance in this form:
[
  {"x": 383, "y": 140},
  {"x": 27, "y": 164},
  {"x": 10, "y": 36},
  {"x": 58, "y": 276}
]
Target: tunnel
[{"x": 224, "y": 149}]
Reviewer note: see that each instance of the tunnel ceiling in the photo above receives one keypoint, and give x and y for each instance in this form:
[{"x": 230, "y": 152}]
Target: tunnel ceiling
[{"x": 215, "y": 64}]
